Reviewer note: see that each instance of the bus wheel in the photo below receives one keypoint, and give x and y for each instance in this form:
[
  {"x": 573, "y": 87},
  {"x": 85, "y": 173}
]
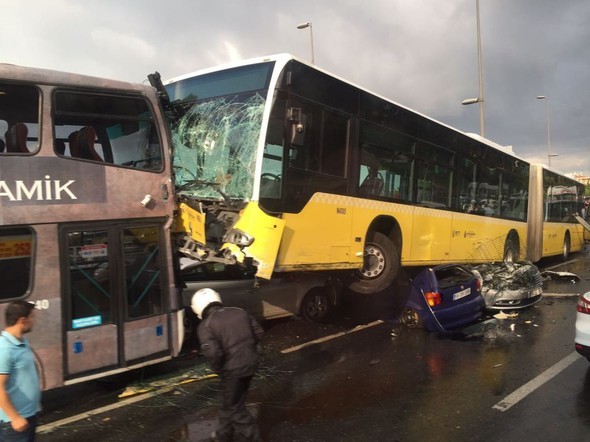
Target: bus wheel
[
  {"x": 565, "y": 254},
  {"x": 380, "y": 267},
  {"x": 316, "y": 305},
  {"x": 511, "y": 251},
  {"x": 410, "y": 318}
]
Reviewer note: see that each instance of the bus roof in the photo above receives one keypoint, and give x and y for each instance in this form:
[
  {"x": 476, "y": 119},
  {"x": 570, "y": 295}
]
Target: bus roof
[
  {"x": 53, "y": 77},
  {"x": 283, "y": 58}
]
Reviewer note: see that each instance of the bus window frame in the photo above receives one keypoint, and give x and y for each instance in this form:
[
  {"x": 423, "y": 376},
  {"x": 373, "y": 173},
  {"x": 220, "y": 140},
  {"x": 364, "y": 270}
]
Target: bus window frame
[
  {"x": 102, "y": 137},
  {"x": 20, "y": 230},
  {"x": 31, "y": 146}
]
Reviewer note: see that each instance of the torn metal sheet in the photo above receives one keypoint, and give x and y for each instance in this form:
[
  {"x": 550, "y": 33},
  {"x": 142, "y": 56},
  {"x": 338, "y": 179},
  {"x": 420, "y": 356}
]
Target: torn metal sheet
[
  {"x": 561, "y": 276},
  {"x": 510, "y": 285}
]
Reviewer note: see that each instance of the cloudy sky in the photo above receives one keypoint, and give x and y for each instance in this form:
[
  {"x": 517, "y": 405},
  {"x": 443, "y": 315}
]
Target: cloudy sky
[{"x": 420, "y": 53}]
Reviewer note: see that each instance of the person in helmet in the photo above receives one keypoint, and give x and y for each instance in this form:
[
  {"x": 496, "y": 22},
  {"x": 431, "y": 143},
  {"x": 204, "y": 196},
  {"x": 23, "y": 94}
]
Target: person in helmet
[{"x": 228, "y": 337}]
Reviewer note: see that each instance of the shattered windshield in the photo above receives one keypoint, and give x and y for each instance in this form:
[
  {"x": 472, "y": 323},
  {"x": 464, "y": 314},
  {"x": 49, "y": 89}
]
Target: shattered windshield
[{"x": 215, "y": 141}]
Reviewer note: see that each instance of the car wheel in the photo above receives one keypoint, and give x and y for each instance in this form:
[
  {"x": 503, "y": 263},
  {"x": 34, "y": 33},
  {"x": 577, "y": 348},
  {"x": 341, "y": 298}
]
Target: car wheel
[
  {"x": 316, "y": 305},
  {"x": 411, "y": 318},
  {"x": 380, "y": 266},
  {"x": 565, "y": 254}
]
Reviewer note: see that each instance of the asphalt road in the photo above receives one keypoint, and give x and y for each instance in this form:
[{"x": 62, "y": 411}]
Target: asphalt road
[{"x": 362, "y": 378}]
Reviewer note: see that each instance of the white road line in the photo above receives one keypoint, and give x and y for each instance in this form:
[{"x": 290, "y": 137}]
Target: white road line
[
  {"x": 47, "y": 428},
  {"x": 156, "y": 391},
  {"x": 559, "y": 295},
  {"x": 330, "y": 337},
  {"x": 518, "y": 395},
  {"x": 561, "y": 264}
]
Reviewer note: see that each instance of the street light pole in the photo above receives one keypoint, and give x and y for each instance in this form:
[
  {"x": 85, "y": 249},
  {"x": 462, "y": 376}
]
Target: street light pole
[
  {"x": 479, "y": 99},
  {"x": 479, "y": 71},
  {"x": 549, "y": 154},
  {"x": 308, "y": 25}
]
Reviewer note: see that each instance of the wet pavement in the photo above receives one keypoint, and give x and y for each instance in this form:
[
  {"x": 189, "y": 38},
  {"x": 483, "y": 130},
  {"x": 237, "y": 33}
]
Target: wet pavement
[{"x": 362, "y": 377}]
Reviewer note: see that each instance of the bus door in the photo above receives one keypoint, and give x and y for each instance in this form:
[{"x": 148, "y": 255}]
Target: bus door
[{"x": 114, "y": 305}]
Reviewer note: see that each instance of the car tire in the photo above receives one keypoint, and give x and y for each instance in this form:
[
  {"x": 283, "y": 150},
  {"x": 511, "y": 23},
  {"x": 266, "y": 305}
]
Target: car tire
[
  {"x": 380, "y": 267},
  {"x": 316, "y": 305},
  {"x": 411, "y": 318}
]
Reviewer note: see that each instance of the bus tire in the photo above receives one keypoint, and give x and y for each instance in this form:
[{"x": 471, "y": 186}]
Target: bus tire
[
  {"x": 565, "y": 254},
  {"x": 380, "y": 267},
  {"x": 316, "y": 305},
  {"x": 511, "y": 251}
]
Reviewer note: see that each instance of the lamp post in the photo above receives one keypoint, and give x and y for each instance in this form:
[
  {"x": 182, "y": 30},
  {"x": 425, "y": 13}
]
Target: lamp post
[
  {"x": 479, "y": 99},
  {"x": 549, "y": 154},
  {"x": 308, "y": 25}
]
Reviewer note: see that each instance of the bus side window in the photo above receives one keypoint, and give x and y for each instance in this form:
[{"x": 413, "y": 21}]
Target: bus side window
[
  {"x": 113, "y": 129},
  {"x": 16, "y": 249},
  {"x": 19, "y": 119}
]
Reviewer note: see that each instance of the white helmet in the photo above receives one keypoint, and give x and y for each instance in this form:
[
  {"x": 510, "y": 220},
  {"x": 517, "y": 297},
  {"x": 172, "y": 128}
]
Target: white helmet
[{"x": 201, "y": 300}]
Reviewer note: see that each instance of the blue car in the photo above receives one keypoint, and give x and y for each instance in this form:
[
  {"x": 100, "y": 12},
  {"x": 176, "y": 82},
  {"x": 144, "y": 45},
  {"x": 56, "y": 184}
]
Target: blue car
[{"x": 444, "y": 299}]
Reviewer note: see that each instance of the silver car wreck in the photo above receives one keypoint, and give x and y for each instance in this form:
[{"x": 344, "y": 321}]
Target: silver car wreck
[{"x": 510, "y": 285}]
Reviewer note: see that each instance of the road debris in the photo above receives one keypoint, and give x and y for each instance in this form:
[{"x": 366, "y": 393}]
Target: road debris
[
  {"x": 503, "y": 315},
  {"x": 561, "y": 276}
]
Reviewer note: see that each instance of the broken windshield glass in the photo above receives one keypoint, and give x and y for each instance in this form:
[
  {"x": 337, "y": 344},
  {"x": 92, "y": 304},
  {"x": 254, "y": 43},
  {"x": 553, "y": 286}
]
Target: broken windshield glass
[{"x": 215, "y": 147}]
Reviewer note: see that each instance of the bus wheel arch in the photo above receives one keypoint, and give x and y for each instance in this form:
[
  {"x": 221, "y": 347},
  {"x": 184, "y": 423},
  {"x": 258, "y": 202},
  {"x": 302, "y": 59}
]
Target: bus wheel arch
[
  {"x": 567, "y": 244},
  {"x": 511, "y": 247},
  {"x": 382, "y": 257}
]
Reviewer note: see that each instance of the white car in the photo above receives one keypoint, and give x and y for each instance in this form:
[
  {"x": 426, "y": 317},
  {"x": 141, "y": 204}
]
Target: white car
[{"x": 582, "y": 339}]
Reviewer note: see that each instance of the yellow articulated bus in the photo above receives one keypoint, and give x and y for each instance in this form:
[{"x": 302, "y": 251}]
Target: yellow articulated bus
[{"x": 283, "y": 165}]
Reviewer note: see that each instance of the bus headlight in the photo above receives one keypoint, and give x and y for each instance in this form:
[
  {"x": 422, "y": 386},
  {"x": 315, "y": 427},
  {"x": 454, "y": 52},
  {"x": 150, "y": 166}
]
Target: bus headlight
[{"x": 235, "y": 236}]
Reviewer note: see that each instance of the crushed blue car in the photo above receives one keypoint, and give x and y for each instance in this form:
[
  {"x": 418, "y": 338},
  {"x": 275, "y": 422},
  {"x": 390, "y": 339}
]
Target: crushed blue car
[{"x": 443, "y": 299}]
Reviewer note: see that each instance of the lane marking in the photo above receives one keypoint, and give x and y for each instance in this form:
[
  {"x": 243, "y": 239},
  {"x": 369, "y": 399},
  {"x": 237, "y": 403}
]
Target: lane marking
[
  {"x": 52, "y": 426},
  {"x": 560, "y": 295},
  {"x": 522, "y": 392},
  {"x": 561, "y": 264},
  {"x": 330, "y": 337},
  {"x": 48, "y": 428}
]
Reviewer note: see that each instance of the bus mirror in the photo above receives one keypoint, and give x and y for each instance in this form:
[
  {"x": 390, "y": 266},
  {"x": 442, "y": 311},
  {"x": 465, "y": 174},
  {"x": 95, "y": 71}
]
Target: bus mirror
[{"x": 297, "y": 120}]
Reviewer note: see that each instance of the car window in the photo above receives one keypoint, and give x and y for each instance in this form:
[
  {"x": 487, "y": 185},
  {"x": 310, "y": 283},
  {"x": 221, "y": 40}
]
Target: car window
[
  {"x": 451, "y": 276},
  {"x": 215, "y": 271}
]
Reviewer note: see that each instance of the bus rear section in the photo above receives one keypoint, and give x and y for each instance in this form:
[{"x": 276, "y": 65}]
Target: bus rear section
[
  {"x": 86, "y": 206},
  {"x": 555, "y": 225}
]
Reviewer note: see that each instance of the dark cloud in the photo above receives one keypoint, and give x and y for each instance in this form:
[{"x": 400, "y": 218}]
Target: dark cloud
[{"x": 420, "y": 53}]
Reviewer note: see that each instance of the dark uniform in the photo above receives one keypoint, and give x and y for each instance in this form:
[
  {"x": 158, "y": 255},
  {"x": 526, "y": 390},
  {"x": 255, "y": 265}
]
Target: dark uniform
[{"x": 228, "y": 338}]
